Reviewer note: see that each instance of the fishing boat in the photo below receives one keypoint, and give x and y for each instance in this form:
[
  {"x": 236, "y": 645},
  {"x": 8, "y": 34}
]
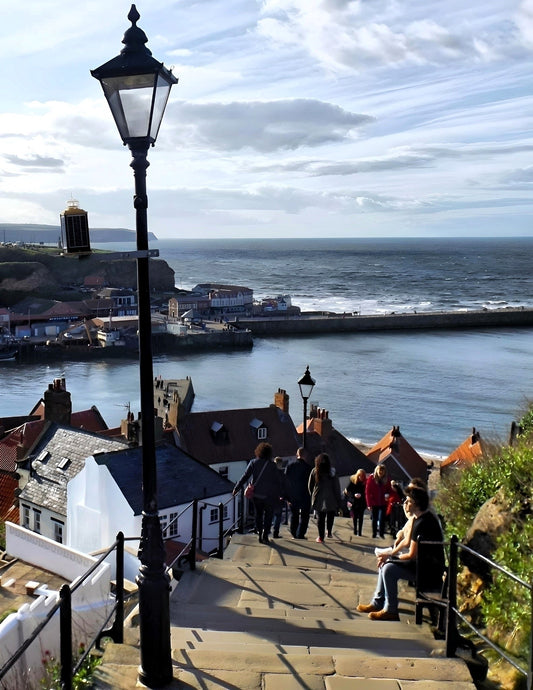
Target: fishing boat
[{"x": 9, "y": 347}]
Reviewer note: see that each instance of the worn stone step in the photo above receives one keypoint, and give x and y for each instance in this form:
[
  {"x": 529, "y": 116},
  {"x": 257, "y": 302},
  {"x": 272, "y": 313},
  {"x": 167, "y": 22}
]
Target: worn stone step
[
  {"x": 384, "y": 640},
  {"x": 251, "y": 670}
]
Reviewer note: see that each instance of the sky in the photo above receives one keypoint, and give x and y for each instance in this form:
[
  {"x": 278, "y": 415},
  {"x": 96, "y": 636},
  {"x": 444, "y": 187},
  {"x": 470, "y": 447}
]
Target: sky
[{"x": 291, "y": 118}]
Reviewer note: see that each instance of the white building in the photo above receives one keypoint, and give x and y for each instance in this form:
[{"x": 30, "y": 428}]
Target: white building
[{"x": 106, "y": 497}]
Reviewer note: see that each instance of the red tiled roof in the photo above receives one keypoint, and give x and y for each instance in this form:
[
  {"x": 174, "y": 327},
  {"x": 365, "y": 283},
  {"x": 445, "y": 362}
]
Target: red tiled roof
[
  {"x": 7, "y": 498},
  {"x": 23, "y": 436},
  {"x": 467, "y": 453},
  {"x": 400, "y": 458},
  {"x": 90, "y": 420}
]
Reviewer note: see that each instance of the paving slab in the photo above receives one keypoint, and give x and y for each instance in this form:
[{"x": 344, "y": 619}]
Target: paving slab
[{"x": 282, "y": 617}]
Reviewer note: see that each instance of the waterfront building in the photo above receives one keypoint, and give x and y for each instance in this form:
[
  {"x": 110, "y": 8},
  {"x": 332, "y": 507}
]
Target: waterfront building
[
  {"x": 468, "y": 452},
  {"x": 226, "y": 439},
  {"x": 399, "y": 457},
  {"x": 106, "y": 497}
]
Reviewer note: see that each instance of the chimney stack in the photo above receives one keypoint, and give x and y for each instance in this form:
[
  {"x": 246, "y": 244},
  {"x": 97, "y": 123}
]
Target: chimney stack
[
  {"x": 281, "y": 400},
  {"x": 322, "y": 423},
  {"x": 57, "y": 403}
]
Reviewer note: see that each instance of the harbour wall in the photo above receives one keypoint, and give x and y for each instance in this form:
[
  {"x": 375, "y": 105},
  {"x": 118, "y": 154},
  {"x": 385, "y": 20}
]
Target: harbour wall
[{"x": 326, "y": 322}]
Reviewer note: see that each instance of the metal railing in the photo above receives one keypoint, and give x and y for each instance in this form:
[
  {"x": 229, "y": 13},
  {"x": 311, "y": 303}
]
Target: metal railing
[
  {"x": 64, "y": 606},
  {"x": 453, "y": 614},
  {"x": 116, "y": 630}
]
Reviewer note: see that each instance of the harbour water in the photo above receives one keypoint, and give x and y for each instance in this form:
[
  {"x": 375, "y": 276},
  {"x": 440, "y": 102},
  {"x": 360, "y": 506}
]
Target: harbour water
[{"x": 435, "y": 385}]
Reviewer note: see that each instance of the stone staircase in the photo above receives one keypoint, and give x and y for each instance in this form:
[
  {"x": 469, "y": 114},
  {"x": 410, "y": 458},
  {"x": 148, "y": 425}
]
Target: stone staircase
[{"x": 282, "y": 617}]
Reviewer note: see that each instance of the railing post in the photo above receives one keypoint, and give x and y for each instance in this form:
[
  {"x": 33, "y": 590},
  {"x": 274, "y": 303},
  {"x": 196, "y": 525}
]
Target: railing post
[
  {"x": 240, "y": 507},
  {"x": 451, "y": 622},
  {"x": 192, "y": 552},
  {"x": 118, "y": 626},
  {"x": 65, "y": 637},
  {"x": 220, "y": 550}
]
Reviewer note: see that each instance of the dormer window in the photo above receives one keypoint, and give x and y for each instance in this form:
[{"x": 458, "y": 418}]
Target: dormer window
[
  {"x": 259, "y": 429},
  {"x": 219, "y": 432}
]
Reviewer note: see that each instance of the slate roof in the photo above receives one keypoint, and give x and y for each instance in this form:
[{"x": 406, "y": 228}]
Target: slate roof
[
  {"x": 400, "y": 458},
  {"x": 58, "y": 456},
  {"x": 223, "y": 436},
  {"x": 467, "y": 453},
  {"x": 180, "y": 478}
]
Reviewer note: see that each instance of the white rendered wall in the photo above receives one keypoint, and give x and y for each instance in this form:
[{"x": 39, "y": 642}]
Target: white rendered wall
[{"x": 91, "y": 604}]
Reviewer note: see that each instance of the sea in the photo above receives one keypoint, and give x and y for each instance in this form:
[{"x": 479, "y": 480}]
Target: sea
[{"x": 436, "y": 385}]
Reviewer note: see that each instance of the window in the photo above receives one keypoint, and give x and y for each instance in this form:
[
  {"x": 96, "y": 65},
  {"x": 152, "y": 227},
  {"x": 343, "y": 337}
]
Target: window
[
  {"x": 37, "y": 521},
  {"x": 223, "y": 471},
  {"x": 26, "y": 517},
  {"x": 58, "y": 530},
  {"x": 173, "y": 526},
  {"x": 213, "y": 514},
  {"x": 163, "y": 521},
  {"x": 262, "y": 433}
]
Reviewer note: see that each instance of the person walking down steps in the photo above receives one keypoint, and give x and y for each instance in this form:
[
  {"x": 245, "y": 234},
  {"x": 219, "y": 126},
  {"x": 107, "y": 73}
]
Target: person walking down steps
[
  {"x": 297, "y": 475},
  {"x": 266, "y": 479},
  {"x": 325, "y": 493}
]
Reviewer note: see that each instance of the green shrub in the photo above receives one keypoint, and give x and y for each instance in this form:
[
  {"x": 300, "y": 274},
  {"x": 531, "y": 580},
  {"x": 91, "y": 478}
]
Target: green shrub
[
  {"x": 82, "y": 679},
  {"x": 505, "y": 604},
  {"x": 463, "y": 493}
]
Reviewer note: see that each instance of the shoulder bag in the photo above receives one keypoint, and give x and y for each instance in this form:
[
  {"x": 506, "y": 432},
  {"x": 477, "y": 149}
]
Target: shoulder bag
[{"x": 250, "y": 489}]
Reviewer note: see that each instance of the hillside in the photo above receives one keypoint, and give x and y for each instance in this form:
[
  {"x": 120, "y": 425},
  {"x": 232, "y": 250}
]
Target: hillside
[
  {"x": 25, "y": 272},
  {"x": 49, "y": 234}
]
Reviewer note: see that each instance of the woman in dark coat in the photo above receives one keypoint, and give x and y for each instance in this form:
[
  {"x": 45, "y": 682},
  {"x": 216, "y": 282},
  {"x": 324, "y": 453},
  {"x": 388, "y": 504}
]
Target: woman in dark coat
[
  {"x": 355, "y": 495},
  {"x": 325, "y": 493},
  {"x": 266, "y": 478}
]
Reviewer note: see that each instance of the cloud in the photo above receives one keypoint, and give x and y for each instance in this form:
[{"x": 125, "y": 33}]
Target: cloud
[
  {"x": 346, "y": 36},
  {"x": 36, "y": 163},
  {"x": 519, "y": 179},
  {"x": 265, "y": 126}
]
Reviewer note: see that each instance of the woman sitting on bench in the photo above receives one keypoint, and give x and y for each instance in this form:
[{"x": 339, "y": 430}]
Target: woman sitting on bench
[{"x": 426, "y": 527}]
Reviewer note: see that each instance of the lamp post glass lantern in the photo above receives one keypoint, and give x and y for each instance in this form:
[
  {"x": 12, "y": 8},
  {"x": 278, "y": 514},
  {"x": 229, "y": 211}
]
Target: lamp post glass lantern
[
  {"x": 137, "y": 88},
  {"x": 306, "y": 383}
]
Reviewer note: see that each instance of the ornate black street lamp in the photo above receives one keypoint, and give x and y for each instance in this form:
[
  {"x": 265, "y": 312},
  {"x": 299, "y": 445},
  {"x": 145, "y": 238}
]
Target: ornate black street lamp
[
  {"x": 137, "y": 88},
  {"x": 306, "y": 383}
]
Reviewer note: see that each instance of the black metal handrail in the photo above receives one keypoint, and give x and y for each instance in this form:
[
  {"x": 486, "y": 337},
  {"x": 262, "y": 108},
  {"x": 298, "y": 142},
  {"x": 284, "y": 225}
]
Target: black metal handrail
[
  {"x": 448, "y": 600},
  {"x": 454, "y": 612},
  {"x": 64, "y": 606},
  {"x": 116, "y": 630}
]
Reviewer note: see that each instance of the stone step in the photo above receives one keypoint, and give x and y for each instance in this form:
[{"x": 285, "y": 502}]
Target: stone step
[
  {"x": 247, "y": 669},
  {"x": 283, "y": 617},
  {"x": 307, "y": 639}
]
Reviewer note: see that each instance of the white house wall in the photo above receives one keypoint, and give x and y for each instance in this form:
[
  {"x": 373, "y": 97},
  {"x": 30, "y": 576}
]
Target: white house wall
[
  {"x": 46, "y": 553},
  {"x": 97, "y": 509},
  {"x": 91, "y": 605}
]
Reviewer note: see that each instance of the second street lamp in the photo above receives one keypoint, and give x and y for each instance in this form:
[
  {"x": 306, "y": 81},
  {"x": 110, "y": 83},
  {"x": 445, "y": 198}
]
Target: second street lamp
[
  {"x": 306, "y": 383},
  {"x": 137, "y": 88}
]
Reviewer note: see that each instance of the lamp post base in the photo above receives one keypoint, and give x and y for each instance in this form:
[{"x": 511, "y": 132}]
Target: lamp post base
[{"x": 153, "y": 582}]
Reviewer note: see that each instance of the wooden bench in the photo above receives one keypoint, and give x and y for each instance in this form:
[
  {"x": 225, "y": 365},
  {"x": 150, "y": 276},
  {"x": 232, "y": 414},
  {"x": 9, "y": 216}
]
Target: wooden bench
[{"x": 432, "y": 595}]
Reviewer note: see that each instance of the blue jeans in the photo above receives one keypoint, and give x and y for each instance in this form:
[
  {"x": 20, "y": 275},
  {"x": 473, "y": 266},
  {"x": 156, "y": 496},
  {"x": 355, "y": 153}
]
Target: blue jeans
[
  {"x": 378, "y": 520},
  {"x": 386, "y": 594}
]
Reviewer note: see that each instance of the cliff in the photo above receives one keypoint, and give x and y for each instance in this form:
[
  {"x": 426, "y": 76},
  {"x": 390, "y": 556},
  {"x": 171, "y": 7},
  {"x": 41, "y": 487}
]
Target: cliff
[{"x": 43, "y": 271}]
